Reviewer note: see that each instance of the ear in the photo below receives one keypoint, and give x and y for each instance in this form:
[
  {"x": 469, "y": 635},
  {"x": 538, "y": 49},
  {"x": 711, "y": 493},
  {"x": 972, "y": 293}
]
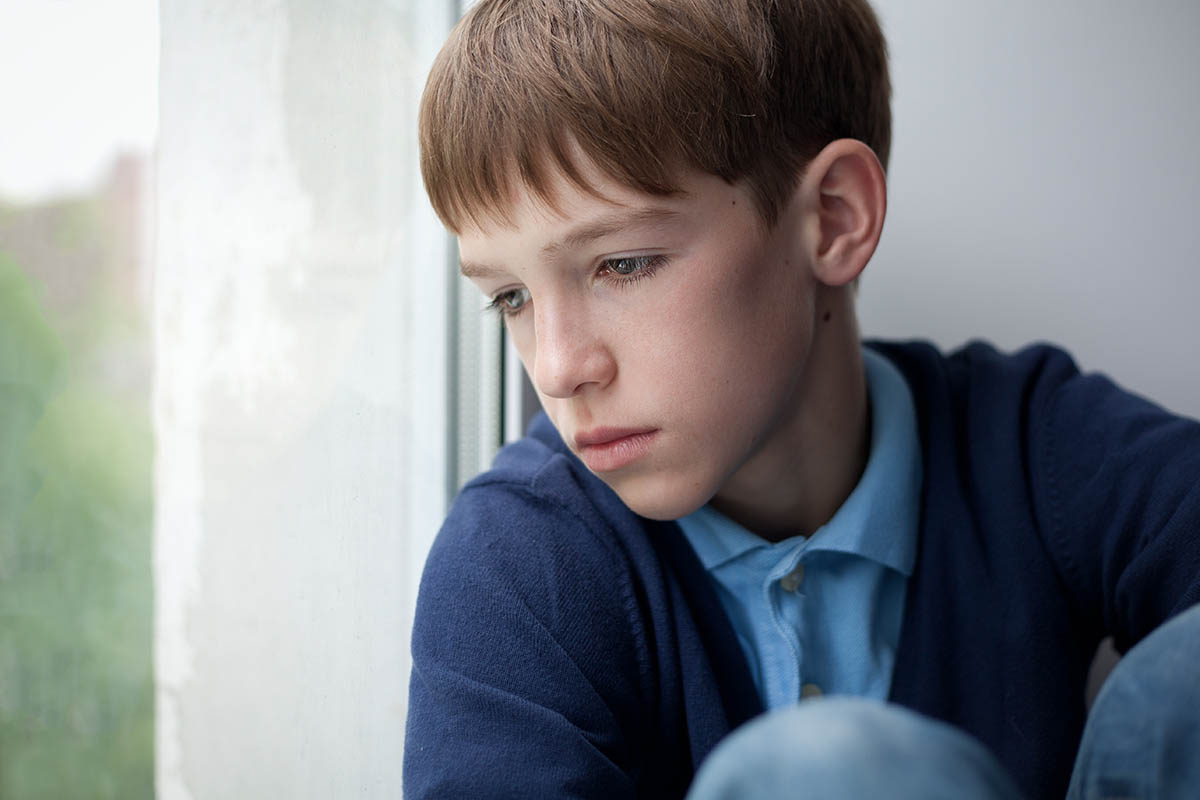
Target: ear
[{"x": 844, "y": 201}]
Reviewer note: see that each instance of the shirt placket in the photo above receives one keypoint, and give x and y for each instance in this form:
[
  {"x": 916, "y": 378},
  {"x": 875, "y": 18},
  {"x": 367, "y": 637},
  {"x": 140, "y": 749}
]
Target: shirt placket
[{"x": 785, "y": 598}]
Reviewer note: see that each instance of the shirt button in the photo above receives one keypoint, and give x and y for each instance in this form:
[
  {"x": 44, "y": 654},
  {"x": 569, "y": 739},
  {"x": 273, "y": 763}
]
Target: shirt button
[
  {"x": 810, "y": 690},
  {"x": 791, "y": 582}
]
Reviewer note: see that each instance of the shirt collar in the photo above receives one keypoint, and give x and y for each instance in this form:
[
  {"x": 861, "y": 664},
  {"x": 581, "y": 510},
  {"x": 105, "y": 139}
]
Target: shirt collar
[{"x": 879, "y": 519}]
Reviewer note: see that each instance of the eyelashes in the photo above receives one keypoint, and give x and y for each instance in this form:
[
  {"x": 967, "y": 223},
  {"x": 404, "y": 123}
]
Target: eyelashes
[
  {"x": 636, "y": 267},
  {"x": 509, "y": 303},
  {"x": 620, "y": 272}
]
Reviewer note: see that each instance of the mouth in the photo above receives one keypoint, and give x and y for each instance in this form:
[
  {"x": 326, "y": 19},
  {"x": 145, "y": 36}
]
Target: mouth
[{"x": 608, "y": 449}]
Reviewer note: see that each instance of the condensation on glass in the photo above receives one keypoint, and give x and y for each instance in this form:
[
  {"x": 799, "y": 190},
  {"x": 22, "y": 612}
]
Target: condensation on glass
[{"x": 312, "y": 390}]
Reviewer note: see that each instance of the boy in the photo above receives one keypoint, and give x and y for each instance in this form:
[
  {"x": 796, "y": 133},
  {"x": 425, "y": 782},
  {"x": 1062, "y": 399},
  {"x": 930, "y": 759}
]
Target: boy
[{"x": 730, "y": 504}]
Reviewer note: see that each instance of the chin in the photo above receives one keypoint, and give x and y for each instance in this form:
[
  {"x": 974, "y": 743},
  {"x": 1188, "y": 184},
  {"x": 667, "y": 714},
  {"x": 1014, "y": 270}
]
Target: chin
[{"x": 660, "y": 498}]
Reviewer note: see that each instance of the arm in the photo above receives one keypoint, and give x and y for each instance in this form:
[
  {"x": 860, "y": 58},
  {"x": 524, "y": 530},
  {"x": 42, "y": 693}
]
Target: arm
[
  {"x": 1120, "y": 503},
  {"x": 525, "y": 669}
]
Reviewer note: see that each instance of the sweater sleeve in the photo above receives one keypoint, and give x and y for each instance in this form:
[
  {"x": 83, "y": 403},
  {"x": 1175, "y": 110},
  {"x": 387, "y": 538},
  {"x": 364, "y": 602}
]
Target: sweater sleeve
[
  {"x": 525, "y": 666},
  {"x": 1120, "y": 495}
]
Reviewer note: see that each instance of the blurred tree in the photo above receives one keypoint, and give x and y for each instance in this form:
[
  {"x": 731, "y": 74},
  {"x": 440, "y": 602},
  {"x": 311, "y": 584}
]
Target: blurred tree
[{"x": 76, "y": 679}]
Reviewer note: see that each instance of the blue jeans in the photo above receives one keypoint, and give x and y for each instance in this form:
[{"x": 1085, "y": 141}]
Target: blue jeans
[{"x": 1141, "y": 740}]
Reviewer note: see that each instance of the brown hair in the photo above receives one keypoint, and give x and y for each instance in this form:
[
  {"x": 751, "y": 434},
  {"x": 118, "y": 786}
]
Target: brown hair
[{"x": 743, "y": 89}]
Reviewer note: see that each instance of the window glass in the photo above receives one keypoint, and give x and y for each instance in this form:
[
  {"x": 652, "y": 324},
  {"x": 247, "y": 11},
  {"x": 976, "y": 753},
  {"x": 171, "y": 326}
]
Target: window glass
[
  {"x": 76, "y": 681},
  {"x": 307, "y": 393}
]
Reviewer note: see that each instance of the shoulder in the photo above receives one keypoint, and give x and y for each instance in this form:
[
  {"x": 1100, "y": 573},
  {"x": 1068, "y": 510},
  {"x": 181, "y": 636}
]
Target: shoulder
[
  {"x": 1106, "y": 480},
  {"x": 978, "y": 370},
  {"x": 536, "y": 499},
  {"x": 536, "y": 536},
  {"x": 1034, "y": 402},
  {"x": 529, "y": 651},
  {"x": 1039, "y": 387}
]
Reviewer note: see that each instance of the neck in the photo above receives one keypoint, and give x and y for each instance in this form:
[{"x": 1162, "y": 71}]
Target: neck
[{"x": 817, "y": 456}]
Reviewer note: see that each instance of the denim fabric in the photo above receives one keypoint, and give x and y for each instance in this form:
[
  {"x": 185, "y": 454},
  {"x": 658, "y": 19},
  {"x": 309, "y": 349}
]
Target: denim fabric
[
  {"x": 1142, "y": 740},
  {"x": 849, "y": 747},
  {"x": 1143, "y": 735}
]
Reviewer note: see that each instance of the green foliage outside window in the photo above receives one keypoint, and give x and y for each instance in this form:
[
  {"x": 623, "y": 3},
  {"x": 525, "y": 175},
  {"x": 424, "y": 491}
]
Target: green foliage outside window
[{"x": 76, "y": 679}]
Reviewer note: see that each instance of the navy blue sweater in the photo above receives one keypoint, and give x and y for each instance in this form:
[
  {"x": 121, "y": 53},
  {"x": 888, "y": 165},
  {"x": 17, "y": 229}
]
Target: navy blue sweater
[{"x": 565, "y": 647}]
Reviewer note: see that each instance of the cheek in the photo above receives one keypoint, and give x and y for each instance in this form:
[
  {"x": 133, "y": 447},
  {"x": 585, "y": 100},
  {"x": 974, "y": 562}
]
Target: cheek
[
  {"x": 525, "y": 342},
  {"x": 735, "y": 365},
  {"x": 741, "y": 323}
]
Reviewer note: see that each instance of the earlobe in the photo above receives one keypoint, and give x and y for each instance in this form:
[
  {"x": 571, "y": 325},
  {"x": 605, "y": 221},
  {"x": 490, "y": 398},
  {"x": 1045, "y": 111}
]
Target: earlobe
[{"x": 847, "y": 203}]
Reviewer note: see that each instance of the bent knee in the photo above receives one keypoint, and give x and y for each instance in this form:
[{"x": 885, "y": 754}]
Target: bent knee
[{"x": 850, "y": 747}]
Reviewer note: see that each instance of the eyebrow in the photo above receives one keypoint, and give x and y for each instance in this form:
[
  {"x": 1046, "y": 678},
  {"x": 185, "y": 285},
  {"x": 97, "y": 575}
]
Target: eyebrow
[
  {"x": 470, "y": 269},
  {"x": 588, "y": 232}
]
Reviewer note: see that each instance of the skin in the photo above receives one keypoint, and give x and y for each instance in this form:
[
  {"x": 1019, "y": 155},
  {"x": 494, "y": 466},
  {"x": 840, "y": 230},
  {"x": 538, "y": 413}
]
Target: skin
[{"x": 737, "y": 344}]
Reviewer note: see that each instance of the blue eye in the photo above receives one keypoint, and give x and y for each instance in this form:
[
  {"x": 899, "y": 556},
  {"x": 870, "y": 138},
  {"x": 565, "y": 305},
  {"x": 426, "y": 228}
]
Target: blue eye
[
  {"x": 620, "y": 271},
  {"x": 510, "y": 302},
  {"x": 631, "y": 265}
]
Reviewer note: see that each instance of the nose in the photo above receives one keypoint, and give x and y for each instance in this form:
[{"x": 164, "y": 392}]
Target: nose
[{"x": 570, "y": 354}]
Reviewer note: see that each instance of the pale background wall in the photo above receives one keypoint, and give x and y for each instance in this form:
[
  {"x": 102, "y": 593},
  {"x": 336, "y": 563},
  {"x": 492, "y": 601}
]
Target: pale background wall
[{"x": 1045, "y": 183}]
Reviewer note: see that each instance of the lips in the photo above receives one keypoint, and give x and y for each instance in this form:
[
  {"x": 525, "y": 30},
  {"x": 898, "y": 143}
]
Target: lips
[{"x": 608, "y": 449}]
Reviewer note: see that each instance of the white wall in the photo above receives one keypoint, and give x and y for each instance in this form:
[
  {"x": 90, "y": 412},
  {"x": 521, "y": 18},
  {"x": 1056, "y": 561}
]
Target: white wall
[
  {"x": 301, "y": 305},
  {"x": 1045, "y": 183}
]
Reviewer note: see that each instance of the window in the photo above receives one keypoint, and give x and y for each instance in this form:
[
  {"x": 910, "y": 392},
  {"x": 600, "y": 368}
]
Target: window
[{"x": 238, "y": 390}]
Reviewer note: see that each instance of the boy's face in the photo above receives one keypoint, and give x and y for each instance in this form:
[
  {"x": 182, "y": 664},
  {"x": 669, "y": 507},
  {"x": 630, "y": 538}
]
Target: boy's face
[{"x": 669, "y": 339}]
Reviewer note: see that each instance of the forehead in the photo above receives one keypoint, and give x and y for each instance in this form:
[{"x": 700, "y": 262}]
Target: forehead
[
  {"x": 557, "y": 236},
  {"x": 558, "y": 190},
  {"x": 566, "y": 215}
]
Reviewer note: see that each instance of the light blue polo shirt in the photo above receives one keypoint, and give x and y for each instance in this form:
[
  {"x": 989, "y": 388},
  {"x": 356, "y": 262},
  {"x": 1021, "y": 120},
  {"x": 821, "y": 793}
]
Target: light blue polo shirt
[{"x": 822, "y": 614}]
